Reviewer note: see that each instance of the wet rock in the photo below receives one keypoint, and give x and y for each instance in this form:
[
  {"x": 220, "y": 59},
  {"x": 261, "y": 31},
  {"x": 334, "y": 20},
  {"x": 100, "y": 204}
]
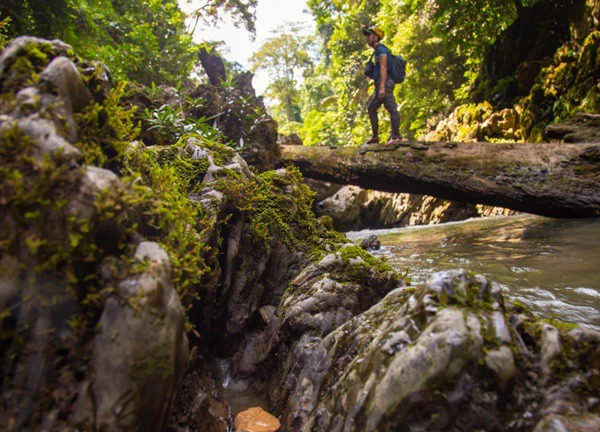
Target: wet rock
[
  {"x": 332, "y": 291},
  {"x": 256, "y": 420},
  {"x": 268, "y": 313},
  {"x": 371, "y": 243},
  {"x": 440, "y": 353},
  {"x": 550, "y": 346},
  {"x": 556, "y": 423},
  {"x": 502, "y": 332},
  {"x": 449, "y": 283},
  {"x": 198, "y": 406}
]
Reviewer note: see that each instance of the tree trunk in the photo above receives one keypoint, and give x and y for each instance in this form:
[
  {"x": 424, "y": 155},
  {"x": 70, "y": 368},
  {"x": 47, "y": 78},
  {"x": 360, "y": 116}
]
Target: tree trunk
[{"x": 557, "y": 180}]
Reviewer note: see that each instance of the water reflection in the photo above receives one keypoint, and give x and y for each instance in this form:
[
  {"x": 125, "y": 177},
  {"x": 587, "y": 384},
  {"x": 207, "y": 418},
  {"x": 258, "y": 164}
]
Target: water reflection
[{"x": 550, "y": 265}]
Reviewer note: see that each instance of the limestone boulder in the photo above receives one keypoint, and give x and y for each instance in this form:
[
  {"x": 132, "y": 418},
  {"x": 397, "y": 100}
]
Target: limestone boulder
[
  {"x": 12, "y": 77},
  {"x": 449, "y": 353},
  {"x": 140, "y": 351},
  {"x": 344, "y": 207}
]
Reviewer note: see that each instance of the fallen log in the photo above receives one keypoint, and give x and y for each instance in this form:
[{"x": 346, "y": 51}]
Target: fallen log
[{"x": 556, "y": 180}]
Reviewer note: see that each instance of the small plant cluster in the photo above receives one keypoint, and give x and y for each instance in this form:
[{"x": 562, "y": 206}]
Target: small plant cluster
[
  {"x": 229, "y": 116},
  {"x": 4, "y": 23},
  {"x": 173, "y": 122}
]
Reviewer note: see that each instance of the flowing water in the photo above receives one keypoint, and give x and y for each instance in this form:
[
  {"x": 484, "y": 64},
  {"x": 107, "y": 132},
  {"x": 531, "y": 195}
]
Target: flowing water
[{"x": 552, "y": 266}]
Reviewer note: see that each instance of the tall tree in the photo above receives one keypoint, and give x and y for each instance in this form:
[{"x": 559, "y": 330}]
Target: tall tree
[{"x": 286, "y": 57}]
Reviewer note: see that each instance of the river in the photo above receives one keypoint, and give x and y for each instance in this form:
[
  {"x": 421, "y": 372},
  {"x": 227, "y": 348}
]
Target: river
[{"x": 551, "y": 265}]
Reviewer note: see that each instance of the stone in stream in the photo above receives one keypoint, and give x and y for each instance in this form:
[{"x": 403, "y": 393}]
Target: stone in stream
[
  {"x": 256, "y": 420},
  {"x": 371, "y": 243}
]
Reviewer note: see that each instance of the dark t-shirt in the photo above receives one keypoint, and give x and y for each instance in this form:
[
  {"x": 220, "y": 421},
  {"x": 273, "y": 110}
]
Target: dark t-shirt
[{"x": 380, "y": 50}]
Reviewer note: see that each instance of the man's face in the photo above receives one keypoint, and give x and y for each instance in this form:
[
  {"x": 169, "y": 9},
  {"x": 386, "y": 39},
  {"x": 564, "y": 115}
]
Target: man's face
[{"x": 370, "y": 39}]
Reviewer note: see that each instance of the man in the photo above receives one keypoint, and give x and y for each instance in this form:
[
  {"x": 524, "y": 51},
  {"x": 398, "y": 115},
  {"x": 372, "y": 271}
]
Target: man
[{"x": 384, "y": 88}]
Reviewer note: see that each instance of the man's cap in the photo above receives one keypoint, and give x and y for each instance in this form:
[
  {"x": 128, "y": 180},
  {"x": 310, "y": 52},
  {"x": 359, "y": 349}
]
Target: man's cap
[{"x": 375, "y": 30}]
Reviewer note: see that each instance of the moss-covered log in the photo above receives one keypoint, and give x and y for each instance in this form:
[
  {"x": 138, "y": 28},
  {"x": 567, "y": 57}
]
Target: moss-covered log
[{"x": 557, "y": 180}]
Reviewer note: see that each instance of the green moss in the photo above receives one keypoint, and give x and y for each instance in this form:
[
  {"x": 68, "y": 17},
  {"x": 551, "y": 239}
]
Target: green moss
[
  {"x": 361, "y": 266},
  {"x": 521, "y": 307},
  {"x": 560, "y": 325},
  {"x": 26, "y": 65},
  {"x": 503, "y": 85},
  {"x": 106, "y": 129},
  {"x": 354, "y": 252},
  {"x": 278, "y": 206}
]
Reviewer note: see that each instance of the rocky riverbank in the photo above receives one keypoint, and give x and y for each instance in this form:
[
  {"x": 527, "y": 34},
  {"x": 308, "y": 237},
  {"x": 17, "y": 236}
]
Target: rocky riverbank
[
  {"x": 353, "y": 209},
  {"x": 131, "y": 258}
]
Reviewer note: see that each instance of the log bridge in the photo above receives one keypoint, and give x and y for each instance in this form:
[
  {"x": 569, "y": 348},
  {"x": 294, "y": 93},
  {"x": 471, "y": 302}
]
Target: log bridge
[{"x": 552, "y": 179}]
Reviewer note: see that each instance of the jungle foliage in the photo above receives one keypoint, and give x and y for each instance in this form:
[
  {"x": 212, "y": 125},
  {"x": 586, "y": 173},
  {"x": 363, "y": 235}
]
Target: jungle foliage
[
  {"x": 446, "y": 43},
  {"x": 443, "y": 41},
  {"x": 140, "y": 40},
  {"x": 317, "y": 87}
]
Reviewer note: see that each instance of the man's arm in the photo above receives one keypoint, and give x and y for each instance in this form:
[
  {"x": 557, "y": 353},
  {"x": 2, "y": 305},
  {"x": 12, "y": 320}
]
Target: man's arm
[{"x": 382, "y": 75}]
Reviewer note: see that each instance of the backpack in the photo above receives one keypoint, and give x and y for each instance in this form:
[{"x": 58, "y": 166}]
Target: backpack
[{"x": 397, "y": 68}]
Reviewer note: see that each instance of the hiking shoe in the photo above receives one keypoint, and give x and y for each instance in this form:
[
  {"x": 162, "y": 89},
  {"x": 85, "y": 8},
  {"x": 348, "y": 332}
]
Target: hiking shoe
[
  {"x": 394, "y": 139},
  {"x": 373, "y": 140}
]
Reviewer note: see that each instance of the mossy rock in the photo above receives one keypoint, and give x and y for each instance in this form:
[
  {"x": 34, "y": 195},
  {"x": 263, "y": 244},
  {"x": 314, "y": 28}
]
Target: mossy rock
[{"x": 24, "y": 58}]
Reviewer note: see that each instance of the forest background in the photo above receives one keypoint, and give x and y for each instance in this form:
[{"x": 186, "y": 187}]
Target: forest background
[{"x": 458, "y": 86}]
